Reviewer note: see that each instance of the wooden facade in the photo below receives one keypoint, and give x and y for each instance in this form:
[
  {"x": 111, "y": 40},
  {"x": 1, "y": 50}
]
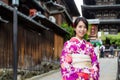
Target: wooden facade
[
  {"x": 34, "y": 44},
  {"x": 39, "y": 39},
  {"x": 33, "y": 47}
]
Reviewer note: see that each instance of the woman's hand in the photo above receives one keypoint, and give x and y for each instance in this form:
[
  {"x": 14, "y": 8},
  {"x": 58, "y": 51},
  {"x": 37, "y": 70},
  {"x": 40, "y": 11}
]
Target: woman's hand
[{"x": 68, "y": 58}]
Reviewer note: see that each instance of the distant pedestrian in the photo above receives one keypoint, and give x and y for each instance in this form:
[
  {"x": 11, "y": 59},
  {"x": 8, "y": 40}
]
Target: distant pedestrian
[
  {"x": 96, "y": 50},
  {"x": 102, "y": 50},
  {"x": 111, "y": 50}
]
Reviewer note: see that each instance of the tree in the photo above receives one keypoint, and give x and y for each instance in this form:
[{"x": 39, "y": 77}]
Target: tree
[
  {"x": 111, "y": 39},
  {"x": 69, "y": 29},
  {"x": 114, "y": 39}
]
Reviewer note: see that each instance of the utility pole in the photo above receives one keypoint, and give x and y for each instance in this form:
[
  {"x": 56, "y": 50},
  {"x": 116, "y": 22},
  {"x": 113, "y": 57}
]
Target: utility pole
[{"x": 15, "y": 4}]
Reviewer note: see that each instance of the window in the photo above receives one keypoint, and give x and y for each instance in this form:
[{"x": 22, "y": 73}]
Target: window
[
  {"x": 98, "y": 14},
  {"x": 112, "y": 14}
]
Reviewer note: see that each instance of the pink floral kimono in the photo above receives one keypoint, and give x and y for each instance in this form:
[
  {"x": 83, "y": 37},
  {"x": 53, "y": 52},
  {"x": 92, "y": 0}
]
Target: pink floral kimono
[{"x": 79, "y": 61}]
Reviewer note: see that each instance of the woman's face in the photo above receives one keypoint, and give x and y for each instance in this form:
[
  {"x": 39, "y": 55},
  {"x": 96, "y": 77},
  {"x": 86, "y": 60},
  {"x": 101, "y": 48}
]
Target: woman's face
[{"x": 80, "y": 30}]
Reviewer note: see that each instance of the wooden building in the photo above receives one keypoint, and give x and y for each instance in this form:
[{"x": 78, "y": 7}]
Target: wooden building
[
  {"x": 40, "y": 37},
  {"x": 107, "y": 11}
]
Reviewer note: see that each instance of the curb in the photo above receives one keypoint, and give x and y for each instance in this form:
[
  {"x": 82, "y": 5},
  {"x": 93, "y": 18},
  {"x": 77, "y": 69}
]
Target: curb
[{"x": 43, "y": 75}]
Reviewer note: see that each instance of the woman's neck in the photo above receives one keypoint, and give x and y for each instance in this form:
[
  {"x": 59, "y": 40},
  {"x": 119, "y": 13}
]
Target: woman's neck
[{"x": 79, "y": 38}]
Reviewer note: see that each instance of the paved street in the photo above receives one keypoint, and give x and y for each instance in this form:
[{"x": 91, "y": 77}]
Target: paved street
[
  {"x": 108, "y": 71},
  {"x": 108, "y": 68}
]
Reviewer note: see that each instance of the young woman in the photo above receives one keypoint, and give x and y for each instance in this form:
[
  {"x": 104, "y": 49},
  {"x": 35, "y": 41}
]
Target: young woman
[{"x": 78, "y": 59}]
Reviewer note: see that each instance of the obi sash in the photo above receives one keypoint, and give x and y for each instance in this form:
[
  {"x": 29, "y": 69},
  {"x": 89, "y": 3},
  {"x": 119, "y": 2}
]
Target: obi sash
[{"x": 81, "y": 61}]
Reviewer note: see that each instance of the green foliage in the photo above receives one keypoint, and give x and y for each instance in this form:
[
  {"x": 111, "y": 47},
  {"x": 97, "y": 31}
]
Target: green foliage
[
  {"x": 89, "y": 28},
  {"x": 68, "y": 29},
  {"x": 86, "y": 36},
  {"x": 114, "y": 39},
  {"x": 103, "y": 37}
]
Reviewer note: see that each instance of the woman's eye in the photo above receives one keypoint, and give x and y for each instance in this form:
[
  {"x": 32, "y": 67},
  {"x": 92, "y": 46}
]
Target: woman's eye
[
  {"x": 85, "y": 27},
  {"x": 80, "y": 26}
]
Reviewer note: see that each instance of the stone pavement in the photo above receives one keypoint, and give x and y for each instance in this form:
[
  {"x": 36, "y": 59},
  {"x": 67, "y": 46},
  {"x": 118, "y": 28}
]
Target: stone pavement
[
  {"x": 108, "y": 68},
  {"x": 108, "y": 71}
]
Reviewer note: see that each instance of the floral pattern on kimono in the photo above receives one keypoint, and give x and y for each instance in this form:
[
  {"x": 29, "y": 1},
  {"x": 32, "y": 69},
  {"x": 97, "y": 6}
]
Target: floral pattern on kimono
[{"x": 76, "y": 46}]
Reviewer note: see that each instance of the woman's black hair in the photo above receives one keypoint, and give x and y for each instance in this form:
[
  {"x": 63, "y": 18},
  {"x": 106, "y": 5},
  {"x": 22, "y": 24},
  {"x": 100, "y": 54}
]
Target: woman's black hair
[{"x": 78, "y": 19}]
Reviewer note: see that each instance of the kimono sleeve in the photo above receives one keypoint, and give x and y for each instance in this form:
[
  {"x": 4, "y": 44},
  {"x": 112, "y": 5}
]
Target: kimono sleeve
[
  {"x": 95, "y": 64},
  {"x": 65, "y": 61}
]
